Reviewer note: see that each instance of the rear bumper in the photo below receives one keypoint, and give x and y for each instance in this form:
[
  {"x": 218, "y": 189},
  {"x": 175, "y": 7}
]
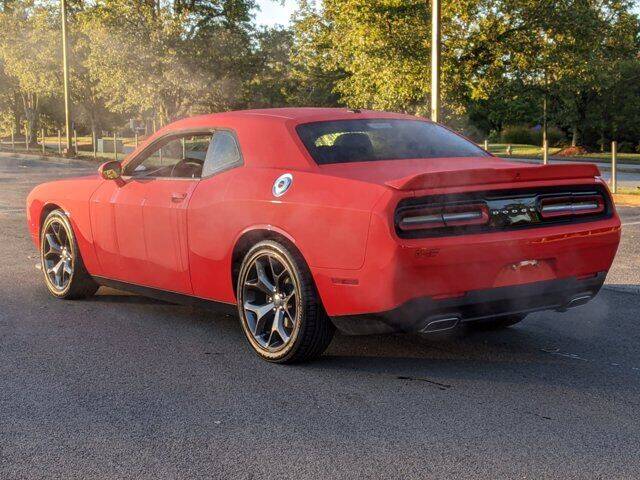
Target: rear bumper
[
  {"x": 396, "y": 272},
  {"x": 427, "y": 314}
]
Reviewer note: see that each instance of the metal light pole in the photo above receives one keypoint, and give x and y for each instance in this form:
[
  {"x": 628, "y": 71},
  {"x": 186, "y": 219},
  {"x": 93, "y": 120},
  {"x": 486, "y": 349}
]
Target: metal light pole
[
  {"x": 614, "y": 167},
  {"x": 436, "y": 50},
  {"x": 65, "y": 75}
]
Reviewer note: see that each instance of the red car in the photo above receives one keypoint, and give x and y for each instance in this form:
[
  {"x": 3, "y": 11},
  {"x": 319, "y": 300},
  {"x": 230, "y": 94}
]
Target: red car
[{"x": 302, "y": 219}]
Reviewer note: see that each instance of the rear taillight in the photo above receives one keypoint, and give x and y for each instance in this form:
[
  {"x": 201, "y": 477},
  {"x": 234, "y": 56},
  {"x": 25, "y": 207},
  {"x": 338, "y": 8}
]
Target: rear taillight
[
  {"x": 443, "y": 216},
  {"x": 571, "y": 205}
]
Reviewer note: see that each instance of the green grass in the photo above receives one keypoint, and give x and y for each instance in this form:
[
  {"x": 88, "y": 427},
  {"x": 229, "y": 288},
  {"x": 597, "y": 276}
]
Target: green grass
[
  {"x": 533, "y": 151},
  {"x": 629, "y": 191},
  {"x": 519, "y": 150},
  {"x": 85, "y": 142},
  {"x": 85, "y": 148},
  {"x": 500, "y": 149}
]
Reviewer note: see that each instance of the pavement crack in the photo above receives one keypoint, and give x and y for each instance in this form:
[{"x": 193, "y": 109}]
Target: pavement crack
[
  {"x": 440, "y": 386},
  {"x": 544, "y": 417}
]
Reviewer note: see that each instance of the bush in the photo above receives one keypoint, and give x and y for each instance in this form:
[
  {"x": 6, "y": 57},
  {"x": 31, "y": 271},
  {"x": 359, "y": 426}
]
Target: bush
[
  {"x": 494, "y": 136},
  {"x": 473, "y": 133},
  {"x": 555, "y": 136},
  {"x": 517, "y": 134},
  {"x": 626, "y": 147},
  {"x": 521, "y": 134}
]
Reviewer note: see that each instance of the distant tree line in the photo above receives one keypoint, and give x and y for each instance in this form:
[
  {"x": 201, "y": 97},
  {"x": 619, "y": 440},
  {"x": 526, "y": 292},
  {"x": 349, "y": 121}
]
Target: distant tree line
[{"x": 154, "y": 61}]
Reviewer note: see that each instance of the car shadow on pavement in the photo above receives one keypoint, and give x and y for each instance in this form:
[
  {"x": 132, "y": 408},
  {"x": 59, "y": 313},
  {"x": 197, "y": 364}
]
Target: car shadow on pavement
[{"x": 546, "y": 349}]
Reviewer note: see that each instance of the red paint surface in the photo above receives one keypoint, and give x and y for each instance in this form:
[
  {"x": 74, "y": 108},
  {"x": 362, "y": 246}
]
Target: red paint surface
[{"x": 340, "y": 217}]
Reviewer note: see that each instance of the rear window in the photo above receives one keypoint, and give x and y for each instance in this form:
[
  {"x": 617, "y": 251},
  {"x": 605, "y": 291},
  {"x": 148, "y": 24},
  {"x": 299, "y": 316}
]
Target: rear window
[{"x": 346, "y": 141}]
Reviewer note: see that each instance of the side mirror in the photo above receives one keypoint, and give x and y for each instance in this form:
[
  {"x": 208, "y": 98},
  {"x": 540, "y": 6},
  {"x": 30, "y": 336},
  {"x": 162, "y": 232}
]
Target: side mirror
[{"x": 110, "y": 170}]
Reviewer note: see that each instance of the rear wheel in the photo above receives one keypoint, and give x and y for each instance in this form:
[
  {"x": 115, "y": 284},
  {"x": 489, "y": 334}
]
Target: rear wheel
[
  {"x": 64, "y": 272},
  {"x": 280, "y": 311},
  {"x": 497, "y": 323}
]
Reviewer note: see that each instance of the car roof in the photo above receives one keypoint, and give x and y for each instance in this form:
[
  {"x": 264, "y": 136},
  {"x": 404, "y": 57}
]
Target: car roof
[
  {"x": 267, "y": 136},
  {"x": 289, "y": 114}
]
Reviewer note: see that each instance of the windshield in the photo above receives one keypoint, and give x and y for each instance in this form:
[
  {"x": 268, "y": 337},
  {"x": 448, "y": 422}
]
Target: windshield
[{"x": 346, "y": 141}]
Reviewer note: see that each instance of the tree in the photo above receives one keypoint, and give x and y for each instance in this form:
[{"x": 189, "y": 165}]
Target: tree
[
  {"x": 182, "y": 58},
  {"x": 271, "y": 79},
  {"x": 500, "y": 57},
  {"x": 29, "y": 50},
  {"x": 314, "y": 76}
]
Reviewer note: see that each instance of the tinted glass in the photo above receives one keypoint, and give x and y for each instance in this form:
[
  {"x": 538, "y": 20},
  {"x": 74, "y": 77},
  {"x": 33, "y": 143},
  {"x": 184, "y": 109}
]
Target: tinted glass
[
  {"x": 223, "y": 153},
  {"x": 347, "y": 141},
  {"x": 177, "y": 157}
]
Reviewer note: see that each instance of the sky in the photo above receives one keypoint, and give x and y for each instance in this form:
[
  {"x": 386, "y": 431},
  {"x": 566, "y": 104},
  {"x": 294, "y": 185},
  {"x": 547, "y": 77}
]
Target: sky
[{"x": 273, "y": 13}]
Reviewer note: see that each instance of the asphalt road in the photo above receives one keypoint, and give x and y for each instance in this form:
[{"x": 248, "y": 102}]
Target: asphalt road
[{"x": 122, "y": 386}]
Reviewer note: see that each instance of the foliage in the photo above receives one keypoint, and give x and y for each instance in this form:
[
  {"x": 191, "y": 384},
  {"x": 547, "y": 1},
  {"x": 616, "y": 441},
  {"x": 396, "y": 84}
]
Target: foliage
[
  {"x": 30, "y": 57},
  {"x": 517, "y": 134},
  {"x": 524, "y": 135},
  {"x": 159, "y": 60},
  {"x": 501, "y": 58}
]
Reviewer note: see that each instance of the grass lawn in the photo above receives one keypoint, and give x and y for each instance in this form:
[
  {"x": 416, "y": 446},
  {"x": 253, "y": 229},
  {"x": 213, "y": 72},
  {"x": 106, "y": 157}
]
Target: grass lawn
[
  {"x": 85, "y": 148},
  {"x": 85, "y": 142},
  {"x": 628, "y": 191},
  {"x": 500, "y": 149},
  {"x": 533, "y": 151}
]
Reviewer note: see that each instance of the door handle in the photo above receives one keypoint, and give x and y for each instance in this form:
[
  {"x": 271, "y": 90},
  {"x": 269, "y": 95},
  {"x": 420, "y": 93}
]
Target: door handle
[{"x": 178, "y": 197}]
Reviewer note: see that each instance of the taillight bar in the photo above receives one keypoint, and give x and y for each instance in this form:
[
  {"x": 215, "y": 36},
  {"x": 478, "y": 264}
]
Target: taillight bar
[
  {"x": 565, "y": 206},
  {"x": 444, "y": 216}
]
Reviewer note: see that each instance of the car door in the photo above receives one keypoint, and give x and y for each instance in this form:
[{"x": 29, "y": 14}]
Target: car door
[
  {"x": 140, "y": 222},
  {"x": 210, "y": 237}
]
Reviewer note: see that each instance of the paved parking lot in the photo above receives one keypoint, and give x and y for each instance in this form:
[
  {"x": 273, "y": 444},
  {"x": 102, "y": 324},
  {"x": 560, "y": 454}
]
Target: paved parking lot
[{"x": 122, "y": 386}]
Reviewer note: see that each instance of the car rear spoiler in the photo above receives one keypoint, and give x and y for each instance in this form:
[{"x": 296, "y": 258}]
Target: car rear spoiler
[{"x": 458, "y": 178}]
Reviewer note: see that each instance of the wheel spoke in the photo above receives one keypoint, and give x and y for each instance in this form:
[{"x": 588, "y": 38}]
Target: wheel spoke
[
  {"x": 55, "y": 228},
  {"x": 276, "y": 276},
  {"x": 56, "y": 267},
  {"x": 261, "y": 312},
  {"x": 290, "y": 319},
  {"x": 278, "y": 326},
  {"x": 56, "y": 270},
  {"x": 288, "y": 298},
  {"x": 262, "y": 282},
  {"x": 54, "y": 246}
]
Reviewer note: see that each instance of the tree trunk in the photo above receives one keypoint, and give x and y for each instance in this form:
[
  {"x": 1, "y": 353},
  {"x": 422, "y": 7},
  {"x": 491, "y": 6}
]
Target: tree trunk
[
  {"x": 16, "y": 111},
  {"x": 575, "y": 139},
  {"x": 30, "y": 105}
]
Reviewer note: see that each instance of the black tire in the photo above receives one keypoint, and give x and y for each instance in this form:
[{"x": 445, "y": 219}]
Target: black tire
[
  {"x": 311, "y": 330},
  {"x": 496, "y": 323},
  {"x": 76, "y": 283}
]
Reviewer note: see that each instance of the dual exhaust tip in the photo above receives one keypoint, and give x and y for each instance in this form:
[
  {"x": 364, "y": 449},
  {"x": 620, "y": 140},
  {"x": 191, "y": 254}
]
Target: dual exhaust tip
[
  {"x": 441, "y": 324},
  {"x": 449, "y": 322}
]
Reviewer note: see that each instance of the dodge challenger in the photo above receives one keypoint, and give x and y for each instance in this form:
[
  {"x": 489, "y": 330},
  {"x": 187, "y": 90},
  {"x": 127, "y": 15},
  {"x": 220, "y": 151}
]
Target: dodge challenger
[{"x": 306, "y": 220}]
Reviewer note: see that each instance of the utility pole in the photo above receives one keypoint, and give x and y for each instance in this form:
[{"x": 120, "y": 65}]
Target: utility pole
[
  {"x": 544, "y": 119},
  {"x": 436, "y": 50},
  {"x": 65, "y": 75},
  {"x": 545, "y": 141}
]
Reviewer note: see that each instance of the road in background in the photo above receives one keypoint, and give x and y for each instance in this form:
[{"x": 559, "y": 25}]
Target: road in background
[
  {"x": 124, "y": 386},
  {"x": 628, "y": 174}
]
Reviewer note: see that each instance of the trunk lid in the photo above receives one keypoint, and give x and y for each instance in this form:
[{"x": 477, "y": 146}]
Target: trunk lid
[{"x": 420, "y": 174}]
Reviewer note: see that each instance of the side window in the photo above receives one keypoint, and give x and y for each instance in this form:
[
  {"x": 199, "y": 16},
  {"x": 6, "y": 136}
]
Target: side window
[
  {"x": 223, "y": 153},
  {"x": 175, "y": 157}
]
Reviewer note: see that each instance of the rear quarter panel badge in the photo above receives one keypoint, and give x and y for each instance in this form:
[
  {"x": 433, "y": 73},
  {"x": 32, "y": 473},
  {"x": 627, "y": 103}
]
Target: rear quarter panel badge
[{"x": 282, "y": 185}]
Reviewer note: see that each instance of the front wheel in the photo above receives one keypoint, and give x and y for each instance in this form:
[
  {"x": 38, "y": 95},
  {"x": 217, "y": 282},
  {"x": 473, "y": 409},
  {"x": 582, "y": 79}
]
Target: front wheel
[
  {"x": 280, "y": 311},
  {"x": 64, "y": 272}
]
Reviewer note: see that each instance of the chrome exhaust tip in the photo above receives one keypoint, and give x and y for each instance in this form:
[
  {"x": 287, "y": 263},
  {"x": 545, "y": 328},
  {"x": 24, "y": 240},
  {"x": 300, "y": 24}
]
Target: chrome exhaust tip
[
  {"x": 576, "y": 301},
  {"x": 440, "y": 325}
]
